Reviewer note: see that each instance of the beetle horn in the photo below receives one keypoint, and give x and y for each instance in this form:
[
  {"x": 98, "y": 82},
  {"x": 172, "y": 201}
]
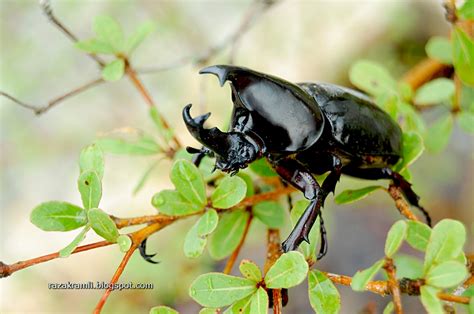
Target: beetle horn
[{"x": 213, "y": 138}]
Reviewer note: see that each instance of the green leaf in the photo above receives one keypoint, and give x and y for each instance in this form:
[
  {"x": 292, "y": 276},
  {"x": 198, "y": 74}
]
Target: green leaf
[
  {"x": 463, "y": 55},
  {"x": 114, "y": 70},
  {"x": 209, "y": 310},
  {"x": 90, "y": 187},
  {"x": 467, "y": 10},
  {"x": 129, "y": 142},
  {"x": 242, "y": 306},
  {"x": 67, "y": 251},
  {"x": 94, "y": 45},
  {"x": 58, "y": 216},
  {"x": 430, "y": 300},
  {"x": 145, "y": 176},
  {"x": 270, "y": 213},
  {"x": 466, "y": 121},
  {"x": 372, "y": 78},
  {"x": 395, "y": 237},
  {"x": 308, "y": 249},
  {"x": 92, "y": 158},
  {"x": 411, "y": 150},
  {"x": 171, "y": 203},
  {"x": 102, "y": 224},
  {"x": 439, "y": 48},
  {"x": 229, "y": 192},
  {"x": 408, "y": 266},
  {"x": 207, "y": 223},
  {"x": 124, "y": 242},
  {"x": 189, "y": 182},
  {"x": 446, "y": 242},
  {"x": 434, "y": 92},
  {"x": 418, "y": 235},
  {"x": 289, "y": 270},
  {"x": 259, "y": 302},
  {"x": 216, "y": 289},
  {"x": 109, "y": 31},
  {"x": 323, "y": 295},
  {"x": 361, "y": 278},
  {"x": 248, "y": 181},
  {"x": 388, "y": 308},
  {"x": 446, "y": 275},
  {"x": 438, "y": 134},
  {"x": 350, "y": 196},
  {"x": 250, "y": 270},
  {"x": 139, "y": 35},
  {"x": 228, "y": 233},
  {"x": 165, "y": 132},
  {"x": 412, "y": 120},
  {"x": 162, "y": 310},
  {"x": 262, "y": 168},
  {"x": 193, "y": 243}
]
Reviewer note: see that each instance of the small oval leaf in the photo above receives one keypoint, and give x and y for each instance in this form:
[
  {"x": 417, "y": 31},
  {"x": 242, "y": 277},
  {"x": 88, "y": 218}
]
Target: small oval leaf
[
  {"x": 250, "y": 270},
  {"x": 161, "y": 309},
  {"x": 289, "y": 270},
  {"x": 114, "y": 70},
  {"x": 270, "y": 213},
  {"x": 350, "y": 196},
  {"x": 446, "y": 275},
  {"x": 171, "y": 203},
  {"x": 102, "y": 224},
  {"x": 438, "y": 134},
  {"x": 395, "y": 237},
  {"x": 58, "y": 216},
  {"x": 361, "y": 278},
  {"x": 259, "y": 302},
  {"x": 188, "y": 180},
  {"x": 124, "y": 242},
  {"x": 418, "y": 235},
  {"x": 67, "y": 251},
  {"x": 439, "y": 48},
  {"x": 430, "y": 300},
  {"x": 323, "y": 295},
  {"x": 229, "y": 192},
  {"x": 207, "y": 223},
  {"x": 372, "y": 78},
  {"x": 193, "y": 243},
  {"x": 90, "y": 187},
  {"x": 216, "y": 289},
  {"x": 92, "y": 159}
]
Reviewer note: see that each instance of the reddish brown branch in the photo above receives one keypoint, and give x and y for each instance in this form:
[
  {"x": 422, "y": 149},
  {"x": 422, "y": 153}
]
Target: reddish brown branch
[
  {"x": 400, "y": 203},
  {"x": 425, "y": 71},
  {"x": 7, "y": 270},
  {"x": 393, "y": 286},
  {"x": 231, "y": 261},
  {"x": 273, "y": 253}
]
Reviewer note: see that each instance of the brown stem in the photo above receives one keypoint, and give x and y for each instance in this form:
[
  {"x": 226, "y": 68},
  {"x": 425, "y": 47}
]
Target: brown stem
[
  {"x": 7, "y": 270},
  {"x": 400, "y": 203},
  {"x": 48, "y": 11},
  {"x": 57, "y": 100},
  {"x": 425, "y": 71},
  {"x": 390, "y": 269},
  {"x": 231, "y": 261},
  {"x": 273, "y": 253}
]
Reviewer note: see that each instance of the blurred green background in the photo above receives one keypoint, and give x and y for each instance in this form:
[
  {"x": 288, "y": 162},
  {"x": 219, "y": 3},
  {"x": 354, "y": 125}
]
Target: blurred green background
[{"x": 297, "y": 40}]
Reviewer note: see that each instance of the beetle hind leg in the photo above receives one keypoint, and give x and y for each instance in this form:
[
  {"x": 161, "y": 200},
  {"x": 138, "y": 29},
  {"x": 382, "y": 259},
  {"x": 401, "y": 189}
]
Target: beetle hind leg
[{"x": 398, "y": 180}]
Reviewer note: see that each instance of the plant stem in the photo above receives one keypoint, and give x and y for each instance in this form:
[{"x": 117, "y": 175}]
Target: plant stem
[
  {"x": 231, "y": 261},
  {"x": 273, "y": 253},
  {"x": 390, "y": 269}
]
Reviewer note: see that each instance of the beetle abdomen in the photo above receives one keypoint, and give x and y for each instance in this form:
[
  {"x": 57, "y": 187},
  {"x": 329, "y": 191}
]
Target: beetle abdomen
[{"x": 360, "y": 127}]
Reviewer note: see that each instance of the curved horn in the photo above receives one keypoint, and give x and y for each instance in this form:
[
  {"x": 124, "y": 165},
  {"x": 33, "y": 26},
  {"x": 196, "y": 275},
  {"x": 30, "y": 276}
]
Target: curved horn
[{"x": 213, "y": 138}]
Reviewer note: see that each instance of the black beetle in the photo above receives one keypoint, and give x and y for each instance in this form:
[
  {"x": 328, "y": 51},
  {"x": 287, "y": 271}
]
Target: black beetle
[{"x": 302, "y": 129}]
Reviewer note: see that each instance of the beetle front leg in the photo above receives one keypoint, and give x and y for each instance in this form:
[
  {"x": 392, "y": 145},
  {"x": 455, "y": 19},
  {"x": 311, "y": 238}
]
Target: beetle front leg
[{"x": 300, "y": 178}]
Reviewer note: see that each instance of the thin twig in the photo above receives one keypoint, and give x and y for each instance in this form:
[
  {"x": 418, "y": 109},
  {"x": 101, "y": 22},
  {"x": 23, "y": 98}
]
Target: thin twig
[
  {"x": 273, "y": 253},
  {"x": 7, "y": 270},
  {"x": 425, "y": 71},
  {"x": 57, "y": 100},
  {"x": 48, "y": 11},
  {"x": 231, "y": 261},
  {"x": 390, "y": 269},
  {"x": 256, "y": 9}
]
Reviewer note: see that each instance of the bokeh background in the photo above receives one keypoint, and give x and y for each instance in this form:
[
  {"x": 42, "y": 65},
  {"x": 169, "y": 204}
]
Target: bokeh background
[{"x": 297, "y": 40}]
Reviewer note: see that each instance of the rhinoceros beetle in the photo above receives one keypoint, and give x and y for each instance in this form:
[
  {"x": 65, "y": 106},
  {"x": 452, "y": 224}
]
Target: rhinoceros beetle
[{"x": 302, "y": 129}]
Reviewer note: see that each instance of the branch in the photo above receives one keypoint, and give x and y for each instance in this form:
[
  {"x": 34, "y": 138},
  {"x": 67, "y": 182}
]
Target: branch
[
  {"x": 48, "y": 11},
  {"x": 57, "y": 100},
  {"x": 231, "y": 261},
  {"x": 256, "y": 9},
  {"x": 273, "y": 253},
  {"x": 393, "y": 286}
]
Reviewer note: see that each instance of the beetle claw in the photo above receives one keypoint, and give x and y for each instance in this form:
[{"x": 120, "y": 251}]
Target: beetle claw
[{"x": 146, "y": 257}]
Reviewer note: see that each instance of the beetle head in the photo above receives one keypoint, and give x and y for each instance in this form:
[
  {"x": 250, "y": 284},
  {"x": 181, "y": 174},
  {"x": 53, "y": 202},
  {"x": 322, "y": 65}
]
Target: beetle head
[{"x": 233, "y": 150}]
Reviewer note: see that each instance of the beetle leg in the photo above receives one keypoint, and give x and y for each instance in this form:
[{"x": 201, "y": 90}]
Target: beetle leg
[
  {"x": 398, "y": 180},
  {"x": 146, "y": 257},
  {"x": 300, "y": 178},
  {"x": 198, "y": 154}
]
